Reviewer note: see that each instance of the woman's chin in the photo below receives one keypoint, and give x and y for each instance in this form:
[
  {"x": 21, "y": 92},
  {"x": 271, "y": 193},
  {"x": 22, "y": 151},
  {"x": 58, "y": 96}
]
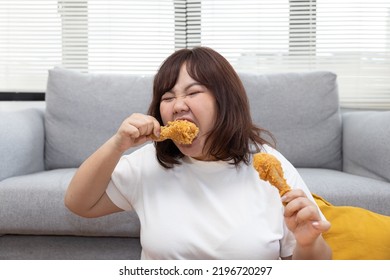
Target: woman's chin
[{"x": 191, "y": 150}]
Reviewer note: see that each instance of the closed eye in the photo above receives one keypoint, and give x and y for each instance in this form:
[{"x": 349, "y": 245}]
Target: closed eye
[
  {"x": 167, "y": 99},
  {"x": 194, "y": 93}
]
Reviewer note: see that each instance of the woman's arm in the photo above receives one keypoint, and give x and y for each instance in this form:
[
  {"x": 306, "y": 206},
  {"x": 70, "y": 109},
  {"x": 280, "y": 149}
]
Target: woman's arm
[
  {"x": 319, "y": 250},
  {"x": 86, "y": 195}
]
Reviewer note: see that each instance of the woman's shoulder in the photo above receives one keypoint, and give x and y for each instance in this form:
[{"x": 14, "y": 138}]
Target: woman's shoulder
[
  {"x": 273, "y": 151},
  {"x": 140, "y": 161},
  {"x": 270, "y": 150},
  {"x": 147, "y": 151}
]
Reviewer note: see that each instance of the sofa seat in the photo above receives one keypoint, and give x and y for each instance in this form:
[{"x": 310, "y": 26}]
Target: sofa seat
[
  {"x": 344, "y": 189},
  {"x": 37, "y": 207}
]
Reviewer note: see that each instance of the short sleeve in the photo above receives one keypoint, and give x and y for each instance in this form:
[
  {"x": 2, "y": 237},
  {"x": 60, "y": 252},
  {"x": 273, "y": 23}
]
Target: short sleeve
[
  {"x": 124, "y": 184},
  {"x": 117, "y": 197}
]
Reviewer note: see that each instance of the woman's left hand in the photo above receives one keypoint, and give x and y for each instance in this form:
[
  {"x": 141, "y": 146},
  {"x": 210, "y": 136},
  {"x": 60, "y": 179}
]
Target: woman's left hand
[{"x": 303, "y": 218}]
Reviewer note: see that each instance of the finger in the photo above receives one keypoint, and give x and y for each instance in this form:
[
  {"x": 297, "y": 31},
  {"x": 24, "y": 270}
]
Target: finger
[
  {"x": 292, "y": 194},
  {"x": 153, "y": 126},
  {"x": 156, "y": 127},
  {"x": 321, "y": 225},
  {"x": 141, "y": 123},
  {"x": 145, "y": 124},
  {"x": 307, "y": 213},
  {"x": 295, "y": 205},
  {"x": 129, "y": 130},
  {"x": 146, "y": 127}
]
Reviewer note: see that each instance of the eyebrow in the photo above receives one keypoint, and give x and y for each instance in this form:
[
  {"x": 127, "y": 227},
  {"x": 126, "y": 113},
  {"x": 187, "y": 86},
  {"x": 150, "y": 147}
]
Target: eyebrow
[{"x": 187, "y": 87}]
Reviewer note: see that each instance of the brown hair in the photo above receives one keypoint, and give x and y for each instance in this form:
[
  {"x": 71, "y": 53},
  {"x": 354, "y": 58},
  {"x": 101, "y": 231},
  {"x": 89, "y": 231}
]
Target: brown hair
[{"x": 234, "y": 132}]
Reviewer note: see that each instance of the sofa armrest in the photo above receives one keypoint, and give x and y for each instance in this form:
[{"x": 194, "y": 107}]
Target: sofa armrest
[
  {"x": 366, "y": 151},
  {"x": 21, "y": 142}
]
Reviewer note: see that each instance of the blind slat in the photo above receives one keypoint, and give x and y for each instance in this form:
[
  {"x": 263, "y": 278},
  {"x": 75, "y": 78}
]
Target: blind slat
[
  {"x": 350, "y": 38},
  {"x": 92, "y": 35}
]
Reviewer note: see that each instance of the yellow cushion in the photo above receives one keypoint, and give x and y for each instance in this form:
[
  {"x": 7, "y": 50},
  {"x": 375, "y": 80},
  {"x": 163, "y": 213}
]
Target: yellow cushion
[{"x": 356, "y": 233}]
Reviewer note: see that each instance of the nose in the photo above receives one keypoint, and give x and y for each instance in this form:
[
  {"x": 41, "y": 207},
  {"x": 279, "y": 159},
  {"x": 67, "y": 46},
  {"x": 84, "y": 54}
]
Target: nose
[{"x": 180, "y": 105}]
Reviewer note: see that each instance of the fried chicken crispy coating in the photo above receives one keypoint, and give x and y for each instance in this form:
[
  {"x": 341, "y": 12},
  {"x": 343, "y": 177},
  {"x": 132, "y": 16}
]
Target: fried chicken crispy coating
[
  {"x": 270, "y": 169},
  {"x": 181, "y": 131}
]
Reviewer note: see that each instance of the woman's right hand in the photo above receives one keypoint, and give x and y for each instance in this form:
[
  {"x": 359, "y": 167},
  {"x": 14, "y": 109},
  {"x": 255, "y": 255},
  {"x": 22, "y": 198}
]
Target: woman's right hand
[{"x": 136, "y": 130}]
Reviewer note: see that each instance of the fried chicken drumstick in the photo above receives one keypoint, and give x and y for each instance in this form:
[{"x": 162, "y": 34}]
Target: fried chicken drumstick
[
  {"x": 270, "y": 169},
  {"x": 181, "y": 131}
]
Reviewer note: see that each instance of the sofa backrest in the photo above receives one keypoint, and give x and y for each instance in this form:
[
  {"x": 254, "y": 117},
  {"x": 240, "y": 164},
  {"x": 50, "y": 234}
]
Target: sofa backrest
[
  {"x": 85, "y": 110},
  {"x": 365, "y": 143},
  {"x": 303, "y": 113}
]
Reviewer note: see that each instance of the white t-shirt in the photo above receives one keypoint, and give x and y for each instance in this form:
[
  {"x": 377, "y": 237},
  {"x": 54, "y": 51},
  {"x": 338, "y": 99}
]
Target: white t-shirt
[{"x": 203, "y": 209}]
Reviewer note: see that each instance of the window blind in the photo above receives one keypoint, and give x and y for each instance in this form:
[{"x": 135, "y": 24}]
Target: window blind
[
  {"x": 348, "y": 37},
  {"x": 187, "y": 23},
  {"x": 125, "y": 36},
  {"x": 30, "y": 43}
]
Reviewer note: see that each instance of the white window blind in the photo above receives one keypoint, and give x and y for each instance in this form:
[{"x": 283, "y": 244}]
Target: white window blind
[
  {"x": 30, "y": 43},
  {"x": 187, "y": 23},
  {"x": 125, "y": 36},
  {"x": 348, "y": 37}
]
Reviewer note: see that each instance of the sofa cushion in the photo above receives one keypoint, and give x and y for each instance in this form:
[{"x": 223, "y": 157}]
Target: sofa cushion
[
  {"x": 365, "y": 144},
  {"x": 34, "y": 204},
  {"x": 85, "y": 110},
  {"x": 302, "y": 111},
  {"x": 343, "y": 189},
  {"x": 356, "y": 233}
]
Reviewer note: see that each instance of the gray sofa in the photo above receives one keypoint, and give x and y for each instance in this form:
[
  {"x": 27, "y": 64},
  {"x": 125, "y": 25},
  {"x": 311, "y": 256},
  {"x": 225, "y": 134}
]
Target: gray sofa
[{"x": 343, "y": 156}]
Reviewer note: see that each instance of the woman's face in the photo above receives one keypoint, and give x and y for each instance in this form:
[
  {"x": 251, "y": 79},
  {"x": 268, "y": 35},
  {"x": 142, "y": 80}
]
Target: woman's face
[{"x": 189, "y": 100}]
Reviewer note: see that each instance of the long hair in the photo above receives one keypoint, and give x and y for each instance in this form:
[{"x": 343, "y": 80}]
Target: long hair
[{"x": 234, "y": 134}]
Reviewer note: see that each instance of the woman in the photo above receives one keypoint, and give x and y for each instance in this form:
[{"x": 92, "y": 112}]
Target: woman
[{"x": 203, "y": 200}]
